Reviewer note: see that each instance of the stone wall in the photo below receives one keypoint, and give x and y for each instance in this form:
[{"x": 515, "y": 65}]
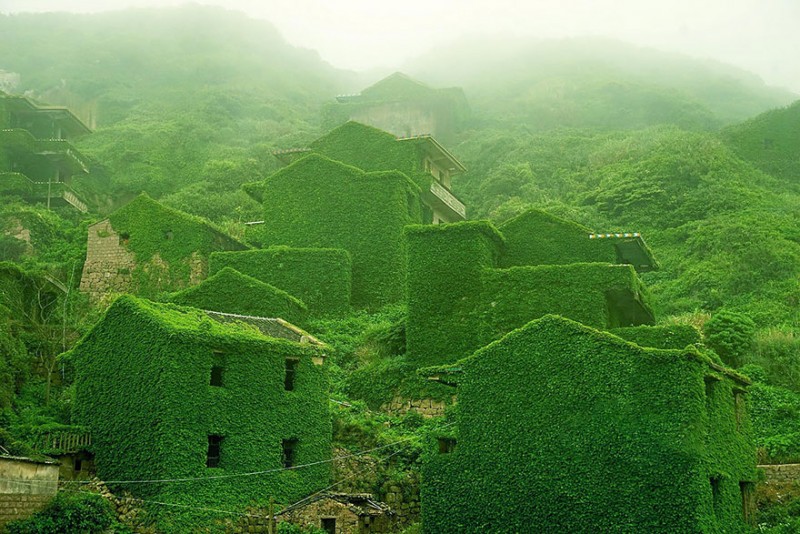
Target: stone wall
[
  {"x": 17, "y": 506},
  {"x": 26, "y": 486},
  {"x": 781, "y": 472},
  {"x": 108, "y": 264},
  {"x": 425, "y": 407}
]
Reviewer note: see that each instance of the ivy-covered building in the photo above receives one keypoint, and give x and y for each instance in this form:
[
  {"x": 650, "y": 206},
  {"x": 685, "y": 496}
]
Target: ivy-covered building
[
  {"x": 563, "y": 428},
  {"x": 37, "y": 160},
  {"x": 148, "y": 248},
  {"x": 207, "y": 412},
  {"x": 355, "y": 189},
  {"x": 405, "y": 107},
  {"x": 470, "y": 283}
]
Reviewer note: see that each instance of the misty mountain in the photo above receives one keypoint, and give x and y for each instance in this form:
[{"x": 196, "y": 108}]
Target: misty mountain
[{"x": 595, "y": 83}]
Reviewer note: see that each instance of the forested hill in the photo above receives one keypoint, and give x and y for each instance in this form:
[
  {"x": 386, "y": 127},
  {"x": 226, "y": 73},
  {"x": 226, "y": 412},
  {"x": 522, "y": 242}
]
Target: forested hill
[{"x": 595, "y": 83}]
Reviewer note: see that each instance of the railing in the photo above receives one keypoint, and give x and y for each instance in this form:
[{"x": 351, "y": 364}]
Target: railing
[
  {"x": 72, "y": 199},
  {"x": 447, "y": 198},
  {"x": 64, "y": 441}
]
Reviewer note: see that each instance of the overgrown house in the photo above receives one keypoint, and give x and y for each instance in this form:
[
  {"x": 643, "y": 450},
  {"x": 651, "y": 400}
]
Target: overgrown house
[
  {"x": 170, "y": 392},
  {"x": 37, "y": 160},
  {"x": 356, "y": 189},
  {"x": 561, "y": 426},
  {"x": 148, "y": 248}
]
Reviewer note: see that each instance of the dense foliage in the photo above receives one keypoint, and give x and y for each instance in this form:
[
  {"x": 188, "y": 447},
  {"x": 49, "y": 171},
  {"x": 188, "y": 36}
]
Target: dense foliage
[
  {"x": 230, "y": 291},
  {"x": 318, "y": 202},
  {"x": 320, "y": 277},
  {"x": 600, "y": 414},
  {"x": 68, "y": 512},
  {"x": 143, "y": 388}
]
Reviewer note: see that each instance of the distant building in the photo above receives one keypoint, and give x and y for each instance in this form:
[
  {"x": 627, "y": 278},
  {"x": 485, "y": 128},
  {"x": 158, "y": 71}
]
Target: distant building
[
  {"x": 340, "y": 513},
  {"x": 563, "y": 428},
  {"x": 170, "y": 392},
  {"x": 37, "y": 160},
  {"x": 406, "y": 107}
]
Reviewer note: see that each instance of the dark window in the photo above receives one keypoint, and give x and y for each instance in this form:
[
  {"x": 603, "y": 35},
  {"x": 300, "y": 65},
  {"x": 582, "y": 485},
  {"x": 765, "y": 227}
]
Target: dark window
[
  {"x": 216, "y": 375},
  {"x": 328, "y": 524},
  {"x": 168, "y": 235},
  {"x": 288, "y": 378},
  {"x": 217, "y": 368},
  {"x": 447, "y": 445},
  {"x": 214, "y": 446},
  {"x": 77, "y": 464},
  {"x": 746, "y": 488},
  {"x": 716, "y": 494},
  {"x": 710, "y": 382},
  {"x": 289, "y": 448}
]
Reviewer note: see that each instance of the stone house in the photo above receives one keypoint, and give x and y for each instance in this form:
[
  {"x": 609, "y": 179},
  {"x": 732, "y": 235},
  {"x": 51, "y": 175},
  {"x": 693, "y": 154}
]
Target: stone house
[
  {"x": 340, "y": 513},
  {"x": 563, "y": 428},
  {"x": 173, "y": 393},
  {"x": 148, "y": 248},
  {"x": 37, "y": 160}
]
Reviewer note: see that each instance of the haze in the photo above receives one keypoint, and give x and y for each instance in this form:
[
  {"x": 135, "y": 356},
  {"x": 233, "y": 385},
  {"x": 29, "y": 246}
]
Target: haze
[{"x": 757, "y": 35}]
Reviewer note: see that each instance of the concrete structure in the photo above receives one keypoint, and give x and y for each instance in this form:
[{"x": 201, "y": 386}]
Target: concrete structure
[
  {"x": 37, "y": 160},
  {"x": 26, "y": 486}
]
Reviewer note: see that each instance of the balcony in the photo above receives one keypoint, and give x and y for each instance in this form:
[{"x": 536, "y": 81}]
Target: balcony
[
  {"x": 444, "y": 202},
  {"x": 14, "y": 183}
]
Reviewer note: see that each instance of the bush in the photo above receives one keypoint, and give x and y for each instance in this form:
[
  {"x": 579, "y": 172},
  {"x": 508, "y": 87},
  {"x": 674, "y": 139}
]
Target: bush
[
  {"x": 730, "y": 334},
  {"x": 777, "y": 351},
  {"x": 68, "y": 512}
]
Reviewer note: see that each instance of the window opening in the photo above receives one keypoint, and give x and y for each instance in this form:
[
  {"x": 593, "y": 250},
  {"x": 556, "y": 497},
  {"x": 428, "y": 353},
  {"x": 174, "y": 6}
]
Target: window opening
[
  {"x": 447, "y": 445},
  {"x": 328, "y": 524},
  {"x": 289, "y": 448},
  {"x": 738, "y": 407},
  {"x": 288, "y": 377},
  {"x": 214, "y": 447},
  {"x": 716, "y": 494},
  {"x": 77, "y": 464},
  {"x": 168, "y": 235},
  {"x": 124, "y": 237},
  {"x": 217, "y": 369}
]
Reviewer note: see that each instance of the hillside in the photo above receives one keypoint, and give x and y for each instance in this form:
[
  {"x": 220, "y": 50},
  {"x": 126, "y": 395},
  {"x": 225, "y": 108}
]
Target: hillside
[
  {"x": 594, "y": 83},
  {"x": 769, "y": 141}
]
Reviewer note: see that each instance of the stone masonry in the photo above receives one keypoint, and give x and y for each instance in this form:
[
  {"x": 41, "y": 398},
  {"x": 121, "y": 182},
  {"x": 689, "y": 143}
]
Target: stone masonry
[{"x": 108, "y": 264}]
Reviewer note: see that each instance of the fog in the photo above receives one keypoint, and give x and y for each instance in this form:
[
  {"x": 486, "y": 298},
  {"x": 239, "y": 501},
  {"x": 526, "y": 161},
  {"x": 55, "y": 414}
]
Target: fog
[{"x": 757, "y": 35}]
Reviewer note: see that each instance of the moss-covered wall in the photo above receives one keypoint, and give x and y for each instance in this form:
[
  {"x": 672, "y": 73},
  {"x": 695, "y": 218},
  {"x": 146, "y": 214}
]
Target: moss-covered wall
[
  {"x": 230, "y": 291},
  {"x": 538, "y": 238},
  {"x": 595, "y": 294},
  {"x": 170, "y": 247},
  {"x": 458, "y": 301},
  {"x": 318, "y": 202},
  {"x": 143, "y": 388},
  {"x": 445, "y": 270},
  {"x": 659, "y": 337},
  {"x": 562, "y": 428},
  {"x": 321, "y": 278}
]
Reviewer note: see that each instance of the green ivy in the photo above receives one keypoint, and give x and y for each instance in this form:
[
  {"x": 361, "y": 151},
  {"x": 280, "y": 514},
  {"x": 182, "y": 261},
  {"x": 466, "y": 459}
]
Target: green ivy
[
  {"x": 230, "y": 291},
  {"x": 562, "y": 428},
  {"x": 143, "y": 388},
  {"x": 171, "y": 235},
  {"x": 318, "y": 202},
  {"x": 320, "y": 277}
]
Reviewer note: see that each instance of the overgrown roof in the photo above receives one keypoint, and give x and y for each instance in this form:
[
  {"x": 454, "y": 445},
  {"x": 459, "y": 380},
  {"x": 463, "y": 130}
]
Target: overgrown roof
[{"x": 449, "y": 374}]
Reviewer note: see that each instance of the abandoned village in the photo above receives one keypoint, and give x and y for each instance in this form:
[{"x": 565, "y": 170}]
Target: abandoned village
[{"x": 535, "y": 339}]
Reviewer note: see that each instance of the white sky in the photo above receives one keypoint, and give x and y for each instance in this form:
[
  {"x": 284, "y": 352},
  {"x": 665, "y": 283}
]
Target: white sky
[{"x": 762, "y": 36}]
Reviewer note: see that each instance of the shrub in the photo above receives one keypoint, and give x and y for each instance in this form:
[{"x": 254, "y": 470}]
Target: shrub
[
  {"x": 730, "y": 334},
  {"x": 68, "y": 512}
]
